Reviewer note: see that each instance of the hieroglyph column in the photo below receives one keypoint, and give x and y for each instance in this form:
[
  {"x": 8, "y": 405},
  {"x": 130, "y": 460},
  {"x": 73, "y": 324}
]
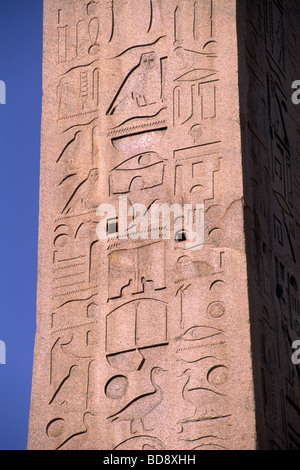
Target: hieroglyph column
[{"x": 142, "y": 342}]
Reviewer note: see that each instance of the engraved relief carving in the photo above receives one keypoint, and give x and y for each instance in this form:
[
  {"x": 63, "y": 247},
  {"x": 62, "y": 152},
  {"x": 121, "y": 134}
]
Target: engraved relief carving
[
  {"x": 134, "y": 324},
  {"x": 194, "y": 22},
  {"x": 132, "y": 271},
  {"x": 273, "y": 197},
  {"x": 136, "y": 410},
  {"x": 195, "y": 168},
  {"x": 83, "y": 82},
  {"x": 195, "y": 97},
  {"x": 141, "y": 93},
  {"x": 148, "y": 21},
  {"x": 141, "y": 443}
]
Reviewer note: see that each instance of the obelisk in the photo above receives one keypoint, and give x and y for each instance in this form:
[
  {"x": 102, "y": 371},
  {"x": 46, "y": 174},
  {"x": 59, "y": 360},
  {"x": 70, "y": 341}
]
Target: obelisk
[
  {"x": 268, "y": 38},
  {"x": 146, "y": 339}
]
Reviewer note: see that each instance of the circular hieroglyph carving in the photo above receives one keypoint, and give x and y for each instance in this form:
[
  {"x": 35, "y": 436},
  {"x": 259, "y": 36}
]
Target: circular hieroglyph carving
[
  {"x": 56, "y": 427},
  {"x": 216, "y": 309},
  {"x": 218, "y": 375},
  {"x": 116, "y": 387}
]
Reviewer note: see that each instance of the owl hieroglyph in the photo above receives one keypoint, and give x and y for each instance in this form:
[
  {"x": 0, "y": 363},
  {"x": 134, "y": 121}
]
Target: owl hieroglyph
[{"x": 141, "y": 88}]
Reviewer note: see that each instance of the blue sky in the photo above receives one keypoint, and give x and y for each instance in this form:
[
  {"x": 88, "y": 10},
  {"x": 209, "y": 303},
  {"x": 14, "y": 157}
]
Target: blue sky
[{"x": 20, "y": 120}]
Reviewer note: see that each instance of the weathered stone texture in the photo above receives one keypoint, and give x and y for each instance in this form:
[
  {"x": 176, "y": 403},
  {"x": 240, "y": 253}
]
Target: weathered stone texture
[
  {"x": 268, "y": 65},
  {"x": 146, "y": 344}
]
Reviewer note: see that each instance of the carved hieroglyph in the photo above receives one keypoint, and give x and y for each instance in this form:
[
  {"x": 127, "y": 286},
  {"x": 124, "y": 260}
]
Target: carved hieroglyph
[
  {"x": 141, "y": 344},
  {"x": 269, "y": 63}
]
